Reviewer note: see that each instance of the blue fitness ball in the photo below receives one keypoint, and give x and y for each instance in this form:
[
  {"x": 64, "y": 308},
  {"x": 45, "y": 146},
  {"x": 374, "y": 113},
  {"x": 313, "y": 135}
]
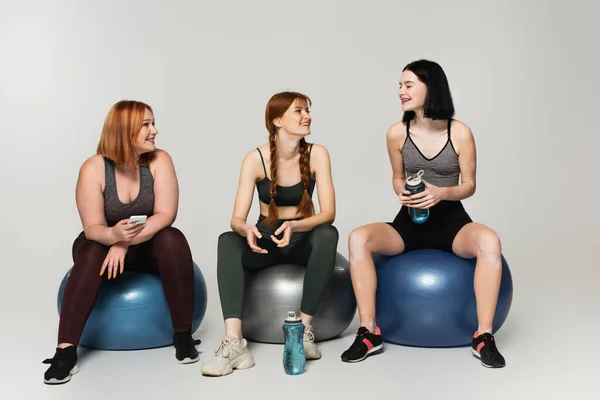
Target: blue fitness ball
[
  {"x": 131, "y": 312},
  {"x": 426, "y": 298}
]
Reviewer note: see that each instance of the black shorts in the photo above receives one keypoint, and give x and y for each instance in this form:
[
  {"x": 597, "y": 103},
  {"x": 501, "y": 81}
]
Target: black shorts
[{"x": 445, "y": 220}]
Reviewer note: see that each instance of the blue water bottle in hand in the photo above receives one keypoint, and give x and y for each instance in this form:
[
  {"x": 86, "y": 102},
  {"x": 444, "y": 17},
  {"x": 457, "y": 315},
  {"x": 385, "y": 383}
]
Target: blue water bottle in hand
[
  {"x": 415, "y": 185},
  {"x": 293, "y": 348}
]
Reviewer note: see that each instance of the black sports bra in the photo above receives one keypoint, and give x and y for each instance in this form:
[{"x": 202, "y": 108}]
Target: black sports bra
[{"x": 286, "y": 195}]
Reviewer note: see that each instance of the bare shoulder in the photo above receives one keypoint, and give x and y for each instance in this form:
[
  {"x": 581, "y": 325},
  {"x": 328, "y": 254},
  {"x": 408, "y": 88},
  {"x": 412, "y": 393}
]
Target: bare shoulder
[
  {"x": 93, "y": 167},
  {"x": 162, "y": 161},
  {"x": 162, "y": 158},
  {"x": 396, "y": 131},
  {"x": 396, "y": 135},
  {"x": 319, "y": 153},
  {"x": 91, "y": 173},
  {"x": 461, "y": 131},
  {"x": 252, "y": 163},
  {"x": 462, "y": 137},
  {"x": 253, "y": 157}
]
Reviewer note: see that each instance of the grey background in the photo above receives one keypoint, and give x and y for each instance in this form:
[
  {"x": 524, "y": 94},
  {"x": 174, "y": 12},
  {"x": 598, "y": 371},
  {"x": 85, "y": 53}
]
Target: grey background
[{"x": 524, "y": 76}]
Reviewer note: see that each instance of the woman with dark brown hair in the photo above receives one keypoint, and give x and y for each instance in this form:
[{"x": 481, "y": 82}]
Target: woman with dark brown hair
[
  {"x": 128, "y": 176},
  {"x": 285, "y": 172},
  {"x": 428, "y": 141}
]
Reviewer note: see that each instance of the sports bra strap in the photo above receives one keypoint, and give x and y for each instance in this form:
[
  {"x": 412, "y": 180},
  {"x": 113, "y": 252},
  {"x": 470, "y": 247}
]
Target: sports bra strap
[{"x": 263, "y": 161}]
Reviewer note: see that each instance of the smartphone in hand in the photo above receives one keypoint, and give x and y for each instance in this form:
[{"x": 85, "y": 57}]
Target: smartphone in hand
[{"x": 138, "y": 219}]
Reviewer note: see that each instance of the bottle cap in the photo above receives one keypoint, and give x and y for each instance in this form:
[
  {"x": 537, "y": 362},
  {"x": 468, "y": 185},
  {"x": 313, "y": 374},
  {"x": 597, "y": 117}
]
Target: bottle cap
[
  {"x": 292, "y": 318},
  {"x": 415, "y": 180}
]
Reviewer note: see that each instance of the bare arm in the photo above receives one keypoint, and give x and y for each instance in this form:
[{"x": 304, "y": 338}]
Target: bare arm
[
  {"x": 245, "y": 194},
  {"x": 395, "y": 138},
  {"x": 467, "y": 162},
  {"x": 166, "y": 198},
  {"x": 90, "y": 202},
  {"x": 321, "y": 161}
]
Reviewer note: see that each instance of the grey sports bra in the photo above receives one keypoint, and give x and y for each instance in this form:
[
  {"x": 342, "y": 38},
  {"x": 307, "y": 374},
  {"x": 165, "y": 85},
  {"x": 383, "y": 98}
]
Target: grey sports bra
[{"x": 114, "y": 209}]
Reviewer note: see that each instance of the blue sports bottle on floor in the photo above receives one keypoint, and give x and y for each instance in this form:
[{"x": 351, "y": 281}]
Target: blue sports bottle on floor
[{"x": 293, "y": 348}]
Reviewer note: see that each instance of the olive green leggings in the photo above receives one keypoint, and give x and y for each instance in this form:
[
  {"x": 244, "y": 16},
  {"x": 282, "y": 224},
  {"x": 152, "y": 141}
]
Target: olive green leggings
[{"x": 316, "y": 250}]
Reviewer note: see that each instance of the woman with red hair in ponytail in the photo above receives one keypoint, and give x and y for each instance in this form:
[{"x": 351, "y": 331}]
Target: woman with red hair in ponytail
[{"x": 285, "y": 172}]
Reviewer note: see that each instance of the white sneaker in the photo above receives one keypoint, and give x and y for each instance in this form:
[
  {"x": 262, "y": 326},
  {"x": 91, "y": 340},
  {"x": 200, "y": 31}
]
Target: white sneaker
[
  {"x": 311, "y": 350},
  {"x": 231, "y": 354}
]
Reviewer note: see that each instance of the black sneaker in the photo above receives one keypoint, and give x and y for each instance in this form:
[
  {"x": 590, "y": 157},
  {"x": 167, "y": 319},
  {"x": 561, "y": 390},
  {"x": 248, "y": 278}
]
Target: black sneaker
[
  {"x": 62, "y": 366},
  {"x": 185, "y": 347},
  {"x": 364, "y": 344},
  {"x": 484, "y": 348}
]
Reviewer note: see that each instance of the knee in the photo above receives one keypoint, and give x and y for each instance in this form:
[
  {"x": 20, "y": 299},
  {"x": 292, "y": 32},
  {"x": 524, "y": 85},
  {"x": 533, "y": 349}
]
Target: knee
[
  {"x": 169, "y": 233},
  {"x": 488, "y": 244},
  {"x": 358, "y": 245},
  {"x": 230, "y": 244},
  {"x": 326, "y": 234},
  {"x": 90, "y": 254},
  {"x": 227, "y": 240},
  {"x": 171, "y": 238},
  {"x": 358, "y": 241},
  {"x": 91, "y": 246}
]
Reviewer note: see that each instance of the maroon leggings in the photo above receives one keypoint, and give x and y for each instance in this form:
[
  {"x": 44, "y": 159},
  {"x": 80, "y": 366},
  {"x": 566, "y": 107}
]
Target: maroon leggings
[{"x": 167, "y": 253}]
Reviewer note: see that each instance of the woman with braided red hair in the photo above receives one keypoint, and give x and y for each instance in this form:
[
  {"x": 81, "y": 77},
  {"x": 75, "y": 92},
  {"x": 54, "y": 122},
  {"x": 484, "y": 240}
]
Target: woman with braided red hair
[{"x": 285, "y": 172}]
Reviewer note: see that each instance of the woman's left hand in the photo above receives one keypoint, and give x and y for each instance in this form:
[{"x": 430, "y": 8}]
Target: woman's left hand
[
  {"x": 428, "y": 197},
  {"x": 287, "y": 228}
]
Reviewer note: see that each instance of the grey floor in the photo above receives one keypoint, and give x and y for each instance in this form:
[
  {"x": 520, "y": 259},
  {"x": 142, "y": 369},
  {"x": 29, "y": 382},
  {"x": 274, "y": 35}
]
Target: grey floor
[{"x": 549, "y": 342}]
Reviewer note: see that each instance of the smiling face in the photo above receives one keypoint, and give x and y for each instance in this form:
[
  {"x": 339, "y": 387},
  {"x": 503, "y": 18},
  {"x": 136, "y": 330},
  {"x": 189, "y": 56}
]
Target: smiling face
[
  {"x": 145, "y": 139},
  {"x": 412, "y": 92},
  {"x": 296, "y": 120}
]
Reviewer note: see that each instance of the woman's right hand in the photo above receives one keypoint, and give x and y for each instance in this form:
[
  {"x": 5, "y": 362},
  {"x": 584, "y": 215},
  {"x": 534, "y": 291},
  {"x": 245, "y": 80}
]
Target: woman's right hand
[
  {"x": 115, "y": 260},
  {"x": 125, "y": 231},
  {"x": 404, "y": 197},
  {"x": 251, "y": 234}
]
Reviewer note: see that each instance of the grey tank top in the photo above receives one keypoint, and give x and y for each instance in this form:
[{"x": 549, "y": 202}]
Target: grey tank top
[
  {"x": 114, "y": 209},
  {"x": 442, "y": 170}
]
